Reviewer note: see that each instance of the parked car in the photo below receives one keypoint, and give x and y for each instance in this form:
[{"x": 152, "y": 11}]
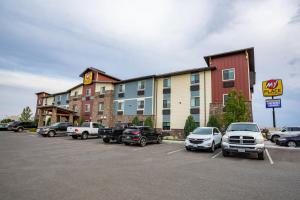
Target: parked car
[
  {"x": 21, "y": 126},
  {"x": 243, "y": 137},
  {"x": 3, "y": 127},
  {"x": 59, "y": 128},
  {"x": 113, "y": 134},
  {"x": 290, "y": 141},
  {"x": 141, "y": 135},
  {"x": 285, "y": 131},
  {"x": 84, "y": 131},
  {"x": 207, "y": 138}
]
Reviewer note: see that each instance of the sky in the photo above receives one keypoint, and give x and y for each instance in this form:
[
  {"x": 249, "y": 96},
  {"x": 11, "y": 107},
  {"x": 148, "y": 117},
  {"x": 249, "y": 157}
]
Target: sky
[{"x": 45, "y": 45}]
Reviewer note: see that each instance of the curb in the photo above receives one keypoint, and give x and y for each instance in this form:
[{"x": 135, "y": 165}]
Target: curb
[{"x": 173, "y": 142}]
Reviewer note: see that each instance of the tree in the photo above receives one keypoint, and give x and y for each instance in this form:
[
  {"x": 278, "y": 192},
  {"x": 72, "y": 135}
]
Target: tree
[
  {"x": 135, "y": 121},
  {"x": 149, "y": 122},
  {"x": 81, "y": 121},
  {"x": 213, "y": 122},
  {"x": 48, "y": 123},
  {"x": 26, "y": 114},
  {"x": 189, "y": 126},
  {"x": 236, "y": 109},
  {"x": 7, "y": 120}
]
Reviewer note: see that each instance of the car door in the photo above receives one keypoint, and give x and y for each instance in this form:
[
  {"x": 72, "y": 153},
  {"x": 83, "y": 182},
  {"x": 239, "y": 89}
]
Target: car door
[
  {"x": 217, "y": 136},
  {"x": 62, "y": 128},
  {"x": 95, "y": 128}
]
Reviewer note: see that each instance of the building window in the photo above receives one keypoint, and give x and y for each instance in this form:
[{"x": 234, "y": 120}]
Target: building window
[
  {"x": 166, "y": 126},
  {"x": 167, "y": 83},
  {"x": 68, "y": 96},
  {"x": 102, "y": 90},
  {"x": 166, "y": 104},
  {"x": 75, "y": 93},
  {"x": 194, "y": 79},
  {"x": 228, "y": 74},
  {"x": 59, "y": 98},
  {"x": 120, "y": 106},
  {"x": 195, "y": 102},
  {"x": 87, "y": 107},
  {"x": 101, "y": 107},
  {"x": 121, "y": 88},
  {"x": 88, "y": 92},
  {"x": 140, "y": 104},
  {"x": 46, "y": 101},
  {"x": 75, "y": 108},
  {"x": 225, "y": 98},
  {"x": 141, "y": 85}
]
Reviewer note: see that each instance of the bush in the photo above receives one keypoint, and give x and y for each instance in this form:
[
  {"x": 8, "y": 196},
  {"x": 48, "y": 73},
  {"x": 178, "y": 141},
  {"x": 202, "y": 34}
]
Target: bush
[
  {"x": 135, "y": 121},
  {"x": 189, "y": 126},
  {"x": 149, "y": 122},
  {"x": 213, "y": 122},
  {"x": 6, "y": 121}
]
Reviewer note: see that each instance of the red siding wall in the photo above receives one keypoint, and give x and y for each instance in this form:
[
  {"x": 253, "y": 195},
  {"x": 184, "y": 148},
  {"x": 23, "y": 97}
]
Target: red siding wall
[
  {"x": 102, "y": 77},
  {"x": 240, "y": 63}
]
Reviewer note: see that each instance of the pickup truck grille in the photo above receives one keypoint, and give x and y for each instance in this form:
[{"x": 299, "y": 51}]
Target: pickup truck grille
[
  {"x": 196, "y": 141},
  {"x": 246, "y": 140}
]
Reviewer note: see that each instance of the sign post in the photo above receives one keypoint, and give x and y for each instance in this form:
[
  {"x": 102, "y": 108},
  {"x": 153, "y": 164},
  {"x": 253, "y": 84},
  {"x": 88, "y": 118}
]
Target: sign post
[{"x": 272, "y": 88}]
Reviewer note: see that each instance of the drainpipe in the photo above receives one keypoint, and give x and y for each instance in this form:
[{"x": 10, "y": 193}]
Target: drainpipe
[{"x": 204, "y": 100}]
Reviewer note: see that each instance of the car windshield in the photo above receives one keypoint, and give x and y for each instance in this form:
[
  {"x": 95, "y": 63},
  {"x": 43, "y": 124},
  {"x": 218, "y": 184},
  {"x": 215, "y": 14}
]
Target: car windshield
[
  {"x": 243, "y": 127},
  {"x": 85, "y": 124},
  {"x": 55, "y": 124},
  {"x": 202, "y": 131}
]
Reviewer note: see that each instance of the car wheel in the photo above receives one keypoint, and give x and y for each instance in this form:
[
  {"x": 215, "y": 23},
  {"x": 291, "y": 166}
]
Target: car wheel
[
  {"x": 212, "y": 149},
  {"x": 20, "y": 129},
  {"x": 84, "y": 136},
  {"x": 51, "y": 134},
  {"x": 106, "y": 140},
  {"x": 261, "y": 156},
  {"x": 225, "y": 153},
  {"x": 291, "y": 144},
  {"x": 159, "y": 140},
  {"x": 188, "y": 149},
  {"x": 274, "y": 138},
  {"x": 74, "y": 136},
  {"x": 126, "y": 143},
  {"x": 143, "y": 142}
]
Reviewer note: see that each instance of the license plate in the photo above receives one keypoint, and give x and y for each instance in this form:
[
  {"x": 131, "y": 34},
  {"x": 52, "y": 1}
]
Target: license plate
[{"x": 241, "y": 150}]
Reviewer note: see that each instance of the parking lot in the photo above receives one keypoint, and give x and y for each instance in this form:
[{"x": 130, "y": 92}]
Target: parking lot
[{"x": 33, "y": 167}]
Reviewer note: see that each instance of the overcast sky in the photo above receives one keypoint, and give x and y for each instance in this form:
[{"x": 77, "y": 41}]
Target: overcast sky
[{"x": 45, "y": 45}]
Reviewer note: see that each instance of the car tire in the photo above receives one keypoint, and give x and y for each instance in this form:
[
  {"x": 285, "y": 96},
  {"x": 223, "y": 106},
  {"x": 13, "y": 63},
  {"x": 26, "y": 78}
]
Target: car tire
[
  {"x": 20, "y": 129},
  {"x": 261, "y": 156},
  {"x": 74, "y": 137},
  {"x": 213, "y": 147},
  {"x": 143, "y": 142},
  {"x": 274, "y": 138},
  {"x": 51, "y": 134},
  {"x": 106, "y": 140},
  {"x": 225, "y": 153},
  {"x": 84, "y": 136},
  {"x": 291, "y": 144},
  {"x": 159, "y": 140},
  {"x": 188, "y": 149}
]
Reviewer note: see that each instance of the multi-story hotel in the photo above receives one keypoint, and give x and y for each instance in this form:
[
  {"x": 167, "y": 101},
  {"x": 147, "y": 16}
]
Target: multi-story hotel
[{"x": 167, "y": 98}]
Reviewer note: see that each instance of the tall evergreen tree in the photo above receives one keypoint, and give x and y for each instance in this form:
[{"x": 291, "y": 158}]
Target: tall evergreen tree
[
  {"x": 26, "y": 114},
  {"x": 190, "y": 125}
]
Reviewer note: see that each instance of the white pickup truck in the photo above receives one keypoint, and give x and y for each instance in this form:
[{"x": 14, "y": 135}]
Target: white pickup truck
[
  {"x": 285, "y": 131},
  {"x": 84, "y": 131},
  {"x": 243, "y": 137}
]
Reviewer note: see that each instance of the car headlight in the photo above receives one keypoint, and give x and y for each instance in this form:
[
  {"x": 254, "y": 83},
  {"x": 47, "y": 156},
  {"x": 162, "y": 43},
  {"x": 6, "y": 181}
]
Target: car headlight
[
  {"x": 225, "y": 138},
  {"x": 259, "y": 140}
]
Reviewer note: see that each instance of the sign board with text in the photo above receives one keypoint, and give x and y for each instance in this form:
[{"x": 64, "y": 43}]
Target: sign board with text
[
  {"x": 273, "y": 103},
  {"x": 272, "y": 88},
  {"x": 88, "y": 78}
]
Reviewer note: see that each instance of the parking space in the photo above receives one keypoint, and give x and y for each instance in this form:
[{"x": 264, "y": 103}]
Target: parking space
[{"x": 33, "y": 167}]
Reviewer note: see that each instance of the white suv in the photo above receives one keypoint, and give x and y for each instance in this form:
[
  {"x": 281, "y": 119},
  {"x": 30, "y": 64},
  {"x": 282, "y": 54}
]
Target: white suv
[
  {"x": 243, "y": 137},
  {"x": 204, "y": 138}
]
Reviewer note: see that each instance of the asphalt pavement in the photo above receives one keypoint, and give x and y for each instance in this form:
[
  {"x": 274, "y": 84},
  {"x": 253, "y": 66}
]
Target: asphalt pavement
[{"x": 33, "y": 167}]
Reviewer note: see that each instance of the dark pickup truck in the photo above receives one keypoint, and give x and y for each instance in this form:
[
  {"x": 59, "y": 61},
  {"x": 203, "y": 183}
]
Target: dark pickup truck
[
  {"x": 59, "y": 128},
  {"x": 113, "y": 134}
]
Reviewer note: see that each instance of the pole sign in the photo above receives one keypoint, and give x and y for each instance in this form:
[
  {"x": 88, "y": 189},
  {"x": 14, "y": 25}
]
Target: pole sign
[
  {"x": 272, "y": 88},
  {"x": 273, "y": 103}
]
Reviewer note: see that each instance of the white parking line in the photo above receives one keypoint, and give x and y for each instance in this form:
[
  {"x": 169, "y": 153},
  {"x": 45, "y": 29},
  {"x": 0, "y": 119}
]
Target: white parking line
[
  {"x": 171, "y": 152},
  {"x": 269, "y": 156},
  {"x": 216, "y": 155}
]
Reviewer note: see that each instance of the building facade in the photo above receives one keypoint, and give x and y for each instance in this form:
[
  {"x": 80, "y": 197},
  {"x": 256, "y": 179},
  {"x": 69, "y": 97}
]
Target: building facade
[{"x": 168, "y": 99}]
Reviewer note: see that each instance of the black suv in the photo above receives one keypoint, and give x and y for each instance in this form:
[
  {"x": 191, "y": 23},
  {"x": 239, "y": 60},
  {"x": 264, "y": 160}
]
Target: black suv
[
  {"x": 141, "y": 135},
  {"x": 21, "y": 126},
  {"x": 59, "y": 128}
]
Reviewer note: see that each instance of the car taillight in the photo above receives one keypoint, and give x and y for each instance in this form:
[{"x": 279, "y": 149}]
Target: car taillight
[
  {"x": 76, "y": 130},
  {"x": 136, "y": 132}
]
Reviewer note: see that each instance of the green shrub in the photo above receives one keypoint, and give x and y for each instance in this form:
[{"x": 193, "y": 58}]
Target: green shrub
[
  {"x": 149, "y": 122},
  {"x": 135, "y": 121},
  {"x": 189, "y": 126},
  {"x": 213, "y": 122}
]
